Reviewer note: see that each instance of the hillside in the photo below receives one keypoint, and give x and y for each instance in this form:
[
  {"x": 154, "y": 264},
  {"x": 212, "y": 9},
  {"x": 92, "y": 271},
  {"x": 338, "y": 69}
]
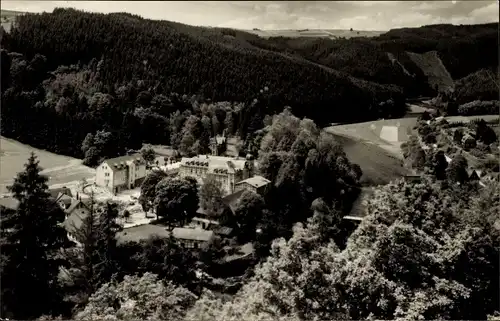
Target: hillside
[
  {"x": 189, "y": 60},
  {"x": 315, "y": 33},
  {"x": 463, "y": 49},
  {"x": 481, "y": 85},
  {"x": 416, "y": 59},
  {"x": 432, "y": 67}
]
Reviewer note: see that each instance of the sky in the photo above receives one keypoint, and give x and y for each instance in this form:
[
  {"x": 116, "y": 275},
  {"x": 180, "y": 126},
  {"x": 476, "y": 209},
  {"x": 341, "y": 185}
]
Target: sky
[{"x": 272, "y": 15}]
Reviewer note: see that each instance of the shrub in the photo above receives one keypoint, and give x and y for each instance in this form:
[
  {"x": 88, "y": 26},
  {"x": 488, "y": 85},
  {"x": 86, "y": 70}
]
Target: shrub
[
  {"x": 478, "y": 107},
  {"x": 477, "y": 153}
]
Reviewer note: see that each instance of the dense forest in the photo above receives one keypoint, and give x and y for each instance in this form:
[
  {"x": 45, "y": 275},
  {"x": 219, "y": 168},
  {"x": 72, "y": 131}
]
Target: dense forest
[
  {"x": 95, "y": 86},
  {"x": 69, "y": 74}
]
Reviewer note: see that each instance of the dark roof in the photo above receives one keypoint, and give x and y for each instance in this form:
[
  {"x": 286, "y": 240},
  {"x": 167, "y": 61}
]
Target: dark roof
[
  {"x": 231, "y": 200},
  {"x": 75, "y": 220},
  {"x": 75, "y": 204},
  {"x": 66, "y": 199},
  {"x": 223, "y": 230},
  {"x": 117, "y": 162},
  {"x": 56, "y": 191}
]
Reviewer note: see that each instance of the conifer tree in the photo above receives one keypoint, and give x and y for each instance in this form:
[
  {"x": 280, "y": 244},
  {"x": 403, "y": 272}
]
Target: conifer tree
[{"x": 32, "y": 238}]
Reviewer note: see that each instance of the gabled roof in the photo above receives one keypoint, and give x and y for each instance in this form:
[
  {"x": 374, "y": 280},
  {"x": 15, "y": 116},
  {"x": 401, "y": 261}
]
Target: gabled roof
[
  {"x": 55, "y": 192},
  {"x": 223, "y": 230},
  {"x": 65, "y": 198},
  {"x": 76, "y": 203},
  {"x": 75, "y": 219},
  {"x": 231, "y": 200},
  {"x": 119, "y": 163},
  {"x": 255, "y": 181},
  {"x": 195, "y": 234}
]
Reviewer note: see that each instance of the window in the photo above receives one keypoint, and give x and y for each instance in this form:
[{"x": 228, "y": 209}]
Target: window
[{"x": 106, "y": 182}]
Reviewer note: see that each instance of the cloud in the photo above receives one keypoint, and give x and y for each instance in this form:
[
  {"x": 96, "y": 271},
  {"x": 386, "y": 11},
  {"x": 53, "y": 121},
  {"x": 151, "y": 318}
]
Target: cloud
[
  {"x": 359, "y": 15},
  {"x": 486, "y": 13}
]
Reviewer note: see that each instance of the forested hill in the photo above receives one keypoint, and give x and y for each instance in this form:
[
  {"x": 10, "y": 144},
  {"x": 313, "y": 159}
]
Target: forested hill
[{"x": 189, "y": 60}]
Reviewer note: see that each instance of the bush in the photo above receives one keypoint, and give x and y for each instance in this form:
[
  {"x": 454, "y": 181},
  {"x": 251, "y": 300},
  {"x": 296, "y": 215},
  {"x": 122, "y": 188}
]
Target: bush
[
  {"x": 477, "y": 153},
  {"x": 478, "y": 107},
  {"x": 430, "y": 138}
]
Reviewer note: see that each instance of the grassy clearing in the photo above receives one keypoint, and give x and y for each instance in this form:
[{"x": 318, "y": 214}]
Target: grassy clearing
[
  {"x": 379, "y": 167},
  {"x": 60, "y": 169}
]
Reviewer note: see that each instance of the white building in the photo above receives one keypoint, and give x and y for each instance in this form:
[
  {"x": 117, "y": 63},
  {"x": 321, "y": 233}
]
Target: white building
[
  {"x": 226, "y": 170},
  {"x": 121, "y": 173}
]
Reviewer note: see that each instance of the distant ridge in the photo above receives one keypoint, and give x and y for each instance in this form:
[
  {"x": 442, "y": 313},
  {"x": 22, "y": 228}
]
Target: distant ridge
[{"x": 315, "y": 33}]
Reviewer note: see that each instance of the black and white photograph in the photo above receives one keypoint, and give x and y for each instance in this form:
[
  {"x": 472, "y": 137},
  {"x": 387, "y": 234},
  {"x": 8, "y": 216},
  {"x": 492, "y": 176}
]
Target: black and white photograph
[{"x": 249, "y": 160}]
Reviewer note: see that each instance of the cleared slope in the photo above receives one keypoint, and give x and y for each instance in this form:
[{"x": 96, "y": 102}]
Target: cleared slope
[
  {"x": 378, "y": 166},
  {"x": 433, "y": 68}
]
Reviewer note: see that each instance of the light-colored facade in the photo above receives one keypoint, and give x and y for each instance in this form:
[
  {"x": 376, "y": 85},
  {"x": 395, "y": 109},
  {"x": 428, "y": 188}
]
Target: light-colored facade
[
  {"x": 121, "y": 173},
  {"x": 226, "y": 170}
]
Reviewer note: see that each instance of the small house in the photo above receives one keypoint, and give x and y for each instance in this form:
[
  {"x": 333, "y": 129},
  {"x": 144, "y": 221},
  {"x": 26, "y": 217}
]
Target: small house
[
  {"x": 75, "y": 216},
  {"x": 256, "y": 184},
  {"x": 193, "y": 238}
]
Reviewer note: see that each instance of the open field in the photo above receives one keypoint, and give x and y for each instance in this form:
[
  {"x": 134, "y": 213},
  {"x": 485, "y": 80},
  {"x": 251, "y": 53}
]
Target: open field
[
  {"x": 60, "y": 169},
  {"x": 378, "y": 165},
  {"x": 7, "y": 18},
  {"x": 324, "y": 33},
  {"x": 369, "y": 132},
  {"x": 380, "y": 160}
]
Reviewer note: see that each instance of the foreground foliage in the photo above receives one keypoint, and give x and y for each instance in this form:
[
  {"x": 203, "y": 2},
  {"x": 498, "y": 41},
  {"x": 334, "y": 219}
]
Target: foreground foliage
[
  {"x": 137, "y": 298},
  {"x": 421, "y": 253}
]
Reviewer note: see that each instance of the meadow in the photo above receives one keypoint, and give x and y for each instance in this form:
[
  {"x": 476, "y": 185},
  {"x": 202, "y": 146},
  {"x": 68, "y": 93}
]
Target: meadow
[{"x": 60, "y": 169}]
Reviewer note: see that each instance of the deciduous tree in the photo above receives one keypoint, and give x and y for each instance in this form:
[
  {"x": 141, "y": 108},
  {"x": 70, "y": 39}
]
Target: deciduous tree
[
  {"x": 210, "y": 195},
  {"x": 138, "y": 298},
  {"x": 176, "y": 200}
]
